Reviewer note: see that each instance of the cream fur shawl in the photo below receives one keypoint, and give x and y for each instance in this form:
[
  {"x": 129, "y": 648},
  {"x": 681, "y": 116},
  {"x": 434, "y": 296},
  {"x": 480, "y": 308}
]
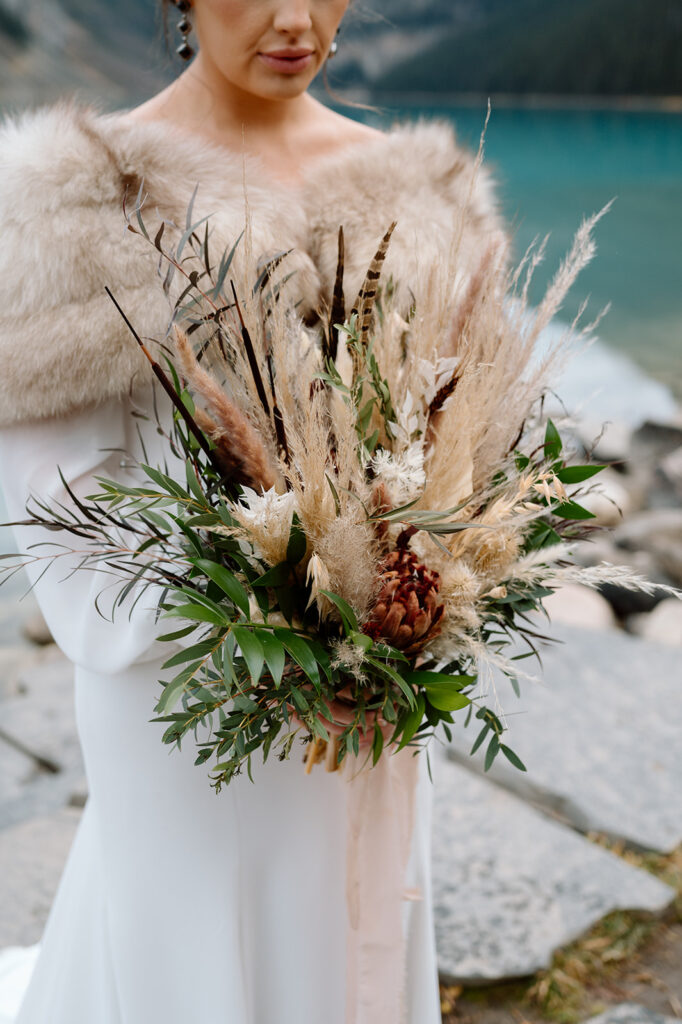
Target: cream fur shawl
[{"x": 64, "y": 171}]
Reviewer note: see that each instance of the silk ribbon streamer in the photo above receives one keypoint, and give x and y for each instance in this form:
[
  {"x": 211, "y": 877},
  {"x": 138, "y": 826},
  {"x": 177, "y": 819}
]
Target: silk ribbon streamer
[{"x": 380, "y": 821}]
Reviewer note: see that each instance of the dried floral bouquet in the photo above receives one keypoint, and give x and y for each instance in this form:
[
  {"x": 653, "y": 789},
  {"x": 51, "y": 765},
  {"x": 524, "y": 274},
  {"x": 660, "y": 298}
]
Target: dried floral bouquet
[{"x": 371, "y": 508}]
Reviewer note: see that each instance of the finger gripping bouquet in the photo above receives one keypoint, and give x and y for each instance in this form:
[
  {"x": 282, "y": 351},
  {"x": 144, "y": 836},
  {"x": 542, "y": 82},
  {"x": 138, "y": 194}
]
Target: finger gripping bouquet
[{"x": 371, "y": 505}]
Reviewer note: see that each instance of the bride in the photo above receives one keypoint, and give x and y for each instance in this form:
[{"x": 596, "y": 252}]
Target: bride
[{"x": 178, "y": 906}]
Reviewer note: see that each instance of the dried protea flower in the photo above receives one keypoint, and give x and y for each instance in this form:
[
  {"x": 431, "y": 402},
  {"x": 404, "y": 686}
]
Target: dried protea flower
[{"x": 407, "y": 610}]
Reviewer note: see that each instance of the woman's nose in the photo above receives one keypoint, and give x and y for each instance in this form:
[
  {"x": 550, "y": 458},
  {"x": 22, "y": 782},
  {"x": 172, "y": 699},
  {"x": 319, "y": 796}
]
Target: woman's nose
[{"x": 293, "y": 16}]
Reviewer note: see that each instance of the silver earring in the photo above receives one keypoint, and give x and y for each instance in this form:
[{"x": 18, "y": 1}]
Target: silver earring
[
  {"x": 184, "y": 50},
  {"x": 333, "y": 49}
]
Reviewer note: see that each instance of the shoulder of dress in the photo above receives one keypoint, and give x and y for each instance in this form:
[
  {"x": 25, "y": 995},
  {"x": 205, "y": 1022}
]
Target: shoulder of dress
[
  {"x": 62, "y": 344},
  {"x": 417, "y": 174},
  {"x": 69, "y": 156},
  {"x": 412, "y": 164},
  {"x": 66, "y": 172},
  {"x": 53, "y": 158}
]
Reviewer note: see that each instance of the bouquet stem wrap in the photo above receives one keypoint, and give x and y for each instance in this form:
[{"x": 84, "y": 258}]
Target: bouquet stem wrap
[{"x": 380, "y": 810}]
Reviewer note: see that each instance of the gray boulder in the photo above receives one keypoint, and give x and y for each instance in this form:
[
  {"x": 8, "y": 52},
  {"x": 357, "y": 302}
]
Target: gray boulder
[
  {"x": 511, "y": 886},
  {"x": 599, "y": 735}
]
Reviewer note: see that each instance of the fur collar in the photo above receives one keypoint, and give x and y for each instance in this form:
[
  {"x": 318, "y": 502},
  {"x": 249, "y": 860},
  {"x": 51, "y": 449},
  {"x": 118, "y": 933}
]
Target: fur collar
[{"x": 64, "y": 172}]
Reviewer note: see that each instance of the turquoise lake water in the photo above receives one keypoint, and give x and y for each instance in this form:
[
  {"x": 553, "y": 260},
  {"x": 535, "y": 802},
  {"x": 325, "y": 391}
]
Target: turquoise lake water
[{"x": 555, "y": 166}]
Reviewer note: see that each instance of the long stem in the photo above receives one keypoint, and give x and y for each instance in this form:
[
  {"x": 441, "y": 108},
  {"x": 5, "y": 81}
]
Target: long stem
[
  {"x": 338, "y": 310},
  {"x": 170, "y": 390},
  {"x": 251, "y": 355},
  {"x": 277, "y": 415}
]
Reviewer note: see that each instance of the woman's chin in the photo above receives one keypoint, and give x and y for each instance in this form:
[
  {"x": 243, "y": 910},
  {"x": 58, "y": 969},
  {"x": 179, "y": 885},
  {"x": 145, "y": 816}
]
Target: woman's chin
[{"x": 273, "y": 85}]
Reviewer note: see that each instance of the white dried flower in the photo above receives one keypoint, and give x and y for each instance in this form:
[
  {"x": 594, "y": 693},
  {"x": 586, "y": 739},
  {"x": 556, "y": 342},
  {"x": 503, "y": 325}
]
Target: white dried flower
[
  {"x": 268, "y": 508},
  {"x": 266, "y": 519},
  {"x": 402, "y": 473}
]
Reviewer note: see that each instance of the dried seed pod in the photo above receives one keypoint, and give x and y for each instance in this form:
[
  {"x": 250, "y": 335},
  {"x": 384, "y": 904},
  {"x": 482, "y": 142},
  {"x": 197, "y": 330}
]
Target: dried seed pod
[{"x": 407, "y": 611}]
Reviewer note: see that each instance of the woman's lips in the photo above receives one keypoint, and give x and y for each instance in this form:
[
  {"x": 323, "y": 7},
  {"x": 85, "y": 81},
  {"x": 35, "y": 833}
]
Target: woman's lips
[{"x": 288, "y": 64}]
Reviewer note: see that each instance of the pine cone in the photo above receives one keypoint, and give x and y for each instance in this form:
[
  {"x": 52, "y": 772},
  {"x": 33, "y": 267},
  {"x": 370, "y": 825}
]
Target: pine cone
[{"x": 407, "y": 610}]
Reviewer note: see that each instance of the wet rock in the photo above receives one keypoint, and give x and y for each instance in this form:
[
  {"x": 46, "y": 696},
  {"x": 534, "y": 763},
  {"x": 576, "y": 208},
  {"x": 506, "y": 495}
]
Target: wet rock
[
  {"x": 42, "y": 717},
  {"x": 609, "y": 500},
  {"x": 661, "y": 438},
  {"x": 576, "y": 605},
  {"x": 625, "y": 602},
  {"x": 13, "y": 614},
  {"x": 599, "y": 736},
  {"x": 671, "y": 468},
  {"x": 603, "y": 384},
  {"x": 37, "y": 630},
  {"x": 40, "y": 723},
  {"x": 32, "y": 857},
  {"x": 653, "y": 465},
  {"x": 663, "y": 625},
  {"x": 79, "y": 794},
  {"x": 511, "y": 886},
  {"x": 609, "y": 441},
  {"x": 13, "y": 661},
  {"x": 16, "y": 772},
  {"x": 659, "y": 532}
]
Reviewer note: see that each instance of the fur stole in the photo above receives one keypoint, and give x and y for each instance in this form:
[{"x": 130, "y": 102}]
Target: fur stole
[{"x": 66, "y": 170}]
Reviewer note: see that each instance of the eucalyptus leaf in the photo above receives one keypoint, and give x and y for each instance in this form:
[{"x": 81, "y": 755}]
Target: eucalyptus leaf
[
  {"x": 433, "y": 680},
  {"x": 175, "y": 688},
  {"x": 227, "y": 582},
  {"x": 412, "y": 721},
  {"x": 395, "y": 677},
  {"x": 577, "y": 474},
  {"x": 300, "y": 652},
  {"x": 491, "y": 752},
  {"x": 278, "y": 576},
  {"x": 297, "y": 546},
  {"x": 377, "y": 744},
  {"x": 275, "y": 654},
  {"x": 513, "y": 758},
  {"x": 571, "y": 510},
  {"x": 347, "y": 614},
  {"x": 200, "y": 650},
  {"x": 553, "y": 443},
  {"x": 196, "y": 612},
  {"x": 444, "y": 701},
  {"x": 252, "y": 651}
]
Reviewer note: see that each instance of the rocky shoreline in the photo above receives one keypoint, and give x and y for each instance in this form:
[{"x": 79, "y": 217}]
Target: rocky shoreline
[{"x": 633, "y": 426}]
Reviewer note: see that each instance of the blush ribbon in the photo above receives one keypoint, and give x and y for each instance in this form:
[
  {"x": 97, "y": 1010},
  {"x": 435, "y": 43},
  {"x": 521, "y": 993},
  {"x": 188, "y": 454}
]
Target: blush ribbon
[{"x": 380, "y": 822}]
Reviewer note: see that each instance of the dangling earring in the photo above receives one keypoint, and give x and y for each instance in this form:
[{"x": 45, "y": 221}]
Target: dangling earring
[
  {"x": 333, "y": 49},
  {"x": 184, "y": 50}
]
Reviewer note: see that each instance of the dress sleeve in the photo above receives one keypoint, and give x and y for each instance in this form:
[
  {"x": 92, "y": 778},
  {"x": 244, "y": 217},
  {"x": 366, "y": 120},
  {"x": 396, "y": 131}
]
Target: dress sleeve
[{"x": 30, "y": 455}]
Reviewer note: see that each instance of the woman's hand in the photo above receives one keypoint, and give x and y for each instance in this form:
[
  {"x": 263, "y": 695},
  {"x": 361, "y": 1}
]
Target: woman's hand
[{"x": 343, "y": 714}]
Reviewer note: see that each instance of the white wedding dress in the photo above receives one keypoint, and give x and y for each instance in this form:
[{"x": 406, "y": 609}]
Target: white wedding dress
[{"x": 177, "y": 905}]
